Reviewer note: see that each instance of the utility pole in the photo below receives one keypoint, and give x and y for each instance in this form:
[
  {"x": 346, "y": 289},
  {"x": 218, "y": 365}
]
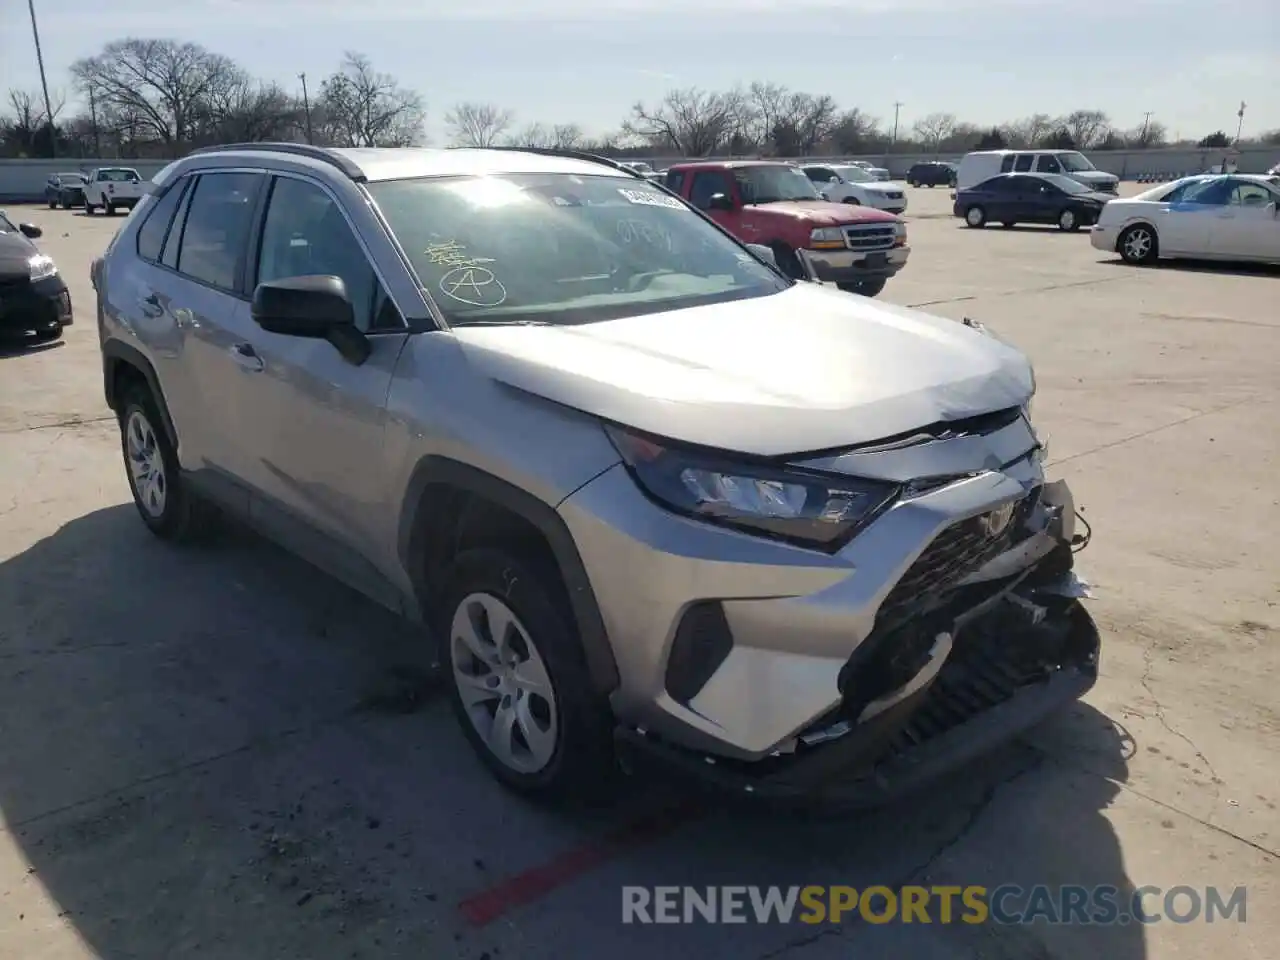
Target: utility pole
[
  {"x": 1146, "y": 123},
  {"x": 306, "y": 105},
  {"x": 44, "y": 83},
  {"x": 1240, "y": 122},
  {"x": 898, "y": 105},
  {"x": 93, "y": 118}
]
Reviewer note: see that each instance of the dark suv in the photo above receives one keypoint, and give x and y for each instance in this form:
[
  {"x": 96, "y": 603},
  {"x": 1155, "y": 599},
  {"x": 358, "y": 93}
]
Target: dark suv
[
  {"x": 64, "y": 190},
  {"x": 932, "y": 173}
]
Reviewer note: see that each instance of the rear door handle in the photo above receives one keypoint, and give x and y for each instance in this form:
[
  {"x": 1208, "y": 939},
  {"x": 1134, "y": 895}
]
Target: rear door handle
[{"x": 246, "y": 357}]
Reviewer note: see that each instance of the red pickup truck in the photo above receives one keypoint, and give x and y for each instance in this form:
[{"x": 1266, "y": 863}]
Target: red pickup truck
[{"x": 775, "y": 205}]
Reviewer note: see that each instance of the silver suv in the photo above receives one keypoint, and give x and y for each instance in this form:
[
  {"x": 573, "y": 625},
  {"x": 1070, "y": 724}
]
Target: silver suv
[{"x": 657, "y": 502}]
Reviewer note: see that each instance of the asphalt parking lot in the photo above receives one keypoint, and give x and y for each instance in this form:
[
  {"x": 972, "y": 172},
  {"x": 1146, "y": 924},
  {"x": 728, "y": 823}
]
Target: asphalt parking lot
[{"x": 221, "y": 753}]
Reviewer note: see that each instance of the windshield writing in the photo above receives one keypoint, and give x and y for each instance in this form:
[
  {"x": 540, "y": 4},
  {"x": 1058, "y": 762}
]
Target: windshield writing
[{"x": 555, "y": 248}]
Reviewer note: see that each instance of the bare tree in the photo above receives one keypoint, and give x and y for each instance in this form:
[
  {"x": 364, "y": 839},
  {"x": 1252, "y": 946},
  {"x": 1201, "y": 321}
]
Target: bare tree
[
  {"x": 805, "y": 121},
  {"x": 693, "y": 122},
  {"x": 477, "y": 124},
  {"x": 359, "y": 107},
  {"x": 1144, "y": 136},
  {"x": 1029, "y": 131},
  {"x": 1086, "y": 127},
  {"x": 161, "y": 86},
  {"x": 934, "y": 128},
  {"x": 26, "y": 129},
  {"x": 763, "y": 106},
  {"x": 855, "y": 132}
]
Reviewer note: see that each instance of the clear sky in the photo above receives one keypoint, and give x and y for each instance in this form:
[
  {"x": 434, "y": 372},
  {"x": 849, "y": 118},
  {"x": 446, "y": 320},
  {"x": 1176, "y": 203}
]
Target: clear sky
[{"x": 560, "y": 61}]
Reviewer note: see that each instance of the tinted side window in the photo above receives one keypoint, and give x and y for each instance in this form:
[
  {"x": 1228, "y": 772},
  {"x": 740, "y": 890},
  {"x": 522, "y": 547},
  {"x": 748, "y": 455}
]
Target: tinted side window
[
  {"x": 1177, "y": 193},
  {"x": 173, "y": 242},
  {"x": 152, "y": 233},
  {"x": 216, "y": 231},
  {"x": 675, "y": 180},
  {"x": 1048, "y": 164},
  {"x": 1023, "y": 163},
  {"x": 1213, "y": 193},
  {"x": 706, "y": 185},
  {"x": 306, "y": 234},
  {"x": 1250, "y": 194},
  {"x": 1006, "y": 164}
]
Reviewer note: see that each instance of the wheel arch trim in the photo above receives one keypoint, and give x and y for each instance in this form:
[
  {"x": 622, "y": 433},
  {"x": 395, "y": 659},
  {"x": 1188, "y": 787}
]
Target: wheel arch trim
[
  {"x": 434, "y": 469},
  {"x": 115, "y": 353}
]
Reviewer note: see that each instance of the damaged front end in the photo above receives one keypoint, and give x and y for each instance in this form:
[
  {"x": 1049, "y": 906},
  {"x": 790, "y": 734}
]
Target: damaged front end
[{"x": 981, "y": 638}]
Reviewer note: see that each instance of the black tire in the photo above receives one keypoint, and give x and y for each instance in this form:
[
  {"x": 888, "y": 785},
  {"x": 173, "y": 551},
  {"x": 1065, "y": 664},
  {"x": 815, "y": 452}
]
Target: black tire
[
  {"x": 864, "y": 288},
  {"x": 48, "y": 334},
  {"x": 975, "y": 217},
  {"x": 88, "y": 209},
  {"x": 582, "y": 763},
  {"x": 1008, "y": 224},
  {"x": 1068, "y": 221},
  {"x": 183, "y": 516},
  {"x": 913, "y": 183},
  {"x": 853, "y": 200},
  {"x": 109, "y": 209},
  {"x": 1132, "y": 248},
  {"x": 787, "y": 261},
  {"x": 66, "y": 204},
  {"x": 53, "y": 203}
]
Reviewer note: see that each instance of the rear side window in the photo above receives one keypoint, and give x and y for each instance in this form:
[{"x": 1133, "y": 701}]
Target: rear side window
[
  {"x": 1023, "y": 163},
  {"x": 156, "y": 227},
  {"x": 1006, "y": 164},
  {"x": 675, "y": 180},
  {"x": 707, "y": 184},
  {"x": 216, "y": 233}
]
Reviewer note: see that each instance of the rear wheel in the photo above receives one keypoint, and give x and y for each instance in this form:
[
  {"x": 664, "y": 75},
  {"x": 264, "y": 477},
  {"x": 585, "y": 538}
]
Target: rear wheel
[
  {"x": 1067, "y": 220},
  {"x": 975, "y": 217},
  {"x": 53, "y": 203},
  {"x": 1139, "y": 245},
  {"x": 169, "y": 509},
  {"x": 788, "y": 262},
  {"x": 109, "y": 208}
]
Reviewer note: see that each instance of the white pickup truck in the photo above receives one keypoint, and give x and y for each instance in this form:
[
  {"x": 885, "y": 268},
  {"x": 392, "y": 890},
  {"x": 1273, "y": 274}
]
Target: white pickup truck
[{"x": 111, "y": 187}]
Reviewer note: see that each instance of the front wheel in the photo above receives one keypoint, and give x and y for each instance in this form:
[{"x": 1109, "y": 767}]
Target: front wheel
[
  {"x": 853, "y": 200},
  {"x": 53, "y": 203},
  {"x": 975, "y": 217},
  {"x": 518, "y": 677},
  {"x": 864, "y": 288},
  {"x": 1139, "y": 245},
  {"x": 1068, "y": 221}
]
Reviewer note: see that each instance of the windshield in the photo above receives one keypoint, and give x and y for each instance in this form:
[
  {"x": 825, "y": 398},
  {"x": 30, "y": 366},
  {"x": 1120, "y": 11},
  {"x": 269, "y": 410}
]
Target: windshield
[
  {"x": 854, "y": 174},
  {"x": 774, "y": 183},
  {"x": 1065, "y": 184},
  {"x": 6, "y": 225},
  {"x": 639, "y": 166},
  {"x": 561, "y": 248},
  {"x": 1075, "y": 162},
  {"x": 118, "y": 176}
]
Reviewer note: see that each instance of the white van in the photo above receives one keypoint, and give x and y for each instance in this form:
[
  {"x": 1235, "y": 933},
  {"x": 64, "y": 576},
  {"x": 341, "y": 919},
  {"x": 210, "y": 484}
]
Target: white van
[{"x": 984, "y": 164}]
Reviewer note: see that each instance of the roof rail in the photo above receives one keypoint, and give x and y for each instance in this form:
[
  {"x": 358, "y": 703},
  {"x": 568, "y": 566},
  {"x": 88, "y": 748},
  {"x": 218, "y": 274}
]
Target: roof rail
[
  {"x": 569, "y": 155},
  {"x": 323, "y": 154}
]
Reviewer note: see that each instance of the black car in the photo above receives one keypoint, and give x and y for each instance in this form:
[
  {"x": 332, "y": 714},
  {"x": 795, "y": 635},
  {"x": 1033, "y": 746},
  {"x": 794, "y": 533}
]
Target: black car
[
  {"x": 65, "y": 190},
  {"x": 1011, "y": 198},
  {"x": 932, "y": 173},
  {"x": 33, "y": 297}
]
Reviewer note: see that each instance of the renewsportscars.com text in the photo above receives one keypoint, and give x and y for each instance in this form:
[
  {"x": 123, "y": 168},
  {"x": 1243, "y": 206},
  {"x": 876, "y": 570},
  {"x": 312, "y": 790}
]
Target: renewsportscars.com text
[{"x": 1008, "y": 904}]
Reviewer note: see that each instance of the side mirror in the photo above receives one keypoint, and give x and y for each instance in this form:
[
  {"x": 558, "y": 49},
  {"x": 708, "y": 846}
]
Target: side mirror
[
  {"x": 30, "y": 230},
  {"x": 315, "y": 307},
  {"x": 763, "y": 252},
  {"x": 720, "y": 201}
]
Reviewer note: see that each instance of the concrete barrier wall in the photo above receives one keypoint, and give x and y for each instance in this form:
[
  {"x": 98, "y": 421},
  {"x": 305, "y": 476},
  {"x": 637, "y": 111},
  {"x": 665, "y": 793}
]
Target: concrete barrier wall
[{"x": 23, "y": 180}]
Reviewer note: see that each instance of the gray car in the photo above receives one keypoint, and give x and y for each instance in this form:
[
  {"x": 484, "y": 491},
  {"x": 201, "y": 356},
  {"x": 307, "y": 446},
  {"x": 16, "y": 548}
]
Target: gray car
[{"x": 659, "y": 506}]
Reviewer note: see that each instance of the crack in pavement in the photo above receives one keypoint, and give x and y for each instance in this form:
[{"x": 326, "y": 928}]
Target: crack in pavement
[
  {"x": 73, "y": 422},
  {"x": 1018, "y": 292},
  {"x": 1145, "y": 680},
  {"x": 921, "y": 870},
  {"x": 1146, "y": 433}
]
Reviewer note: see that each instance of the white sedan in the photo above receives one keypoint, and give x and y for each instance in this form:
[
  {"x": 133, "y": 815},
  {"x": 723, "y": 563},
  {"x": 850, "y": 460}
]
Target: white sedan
[
  {"x": 1232, "y": 217},
  {"x": 850, "y": 183}
]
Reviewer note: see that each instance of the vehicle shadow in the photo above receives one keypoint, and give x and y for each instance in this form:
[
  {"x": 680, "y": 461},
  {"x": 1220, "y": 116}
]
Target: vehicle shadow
[
  {"x": 18, "y": 347},
  {"x": 1206, "y": 266},
  {"x": 221, "y": 750}
]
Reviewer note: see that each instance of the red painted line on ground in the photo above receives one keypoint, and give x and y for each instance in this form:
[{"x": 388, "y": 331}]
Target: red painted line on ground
[{"x": 534, "y": 884}]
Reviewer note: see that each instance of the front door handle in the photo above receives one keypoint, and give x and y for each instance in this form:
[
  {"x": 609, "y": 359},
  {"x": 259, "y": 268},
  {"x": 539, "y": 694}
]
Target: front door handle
[{"x": 246, "y": 357}]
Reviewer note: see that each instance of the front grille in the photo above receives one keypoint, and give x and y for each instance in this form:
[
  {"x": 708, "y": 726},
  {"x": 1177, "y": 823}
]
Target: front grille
[
  {"x": 956, "y": 552},
  {"x": 869, "y": 236}
]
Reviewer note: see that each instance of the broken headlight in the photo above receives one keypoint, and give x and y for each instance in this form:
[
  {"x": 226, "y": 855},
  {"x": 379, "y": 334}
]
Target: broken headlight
[{"x": 806, "y": 509}]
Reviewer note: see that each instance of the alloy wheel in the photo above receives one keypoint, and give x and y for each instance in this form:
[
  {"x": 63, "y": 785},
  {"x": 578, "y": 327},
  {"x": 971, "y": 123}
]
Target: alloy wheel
[
  {"x": 146, "y": 465},
  {"x": 1137, "y": 245},
  {"x": 503, "y": 683}
]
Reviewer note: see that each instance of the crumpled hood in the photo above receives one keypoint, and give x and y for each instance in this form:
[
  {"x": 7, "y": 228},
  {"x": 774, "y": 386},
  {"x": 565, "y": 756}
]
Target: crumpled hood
[
  {"x": 821, "y": 213},
  {"x": 807, "y": 369}
]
